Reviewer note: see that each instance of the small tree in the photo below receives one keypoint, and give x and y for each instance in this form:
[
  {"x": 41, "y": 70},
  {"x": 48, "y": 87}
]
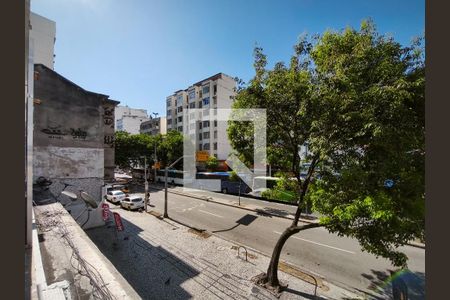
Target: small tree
[
  {"x": 212, "y": 163},
  {"x": 358, "y": 99}
]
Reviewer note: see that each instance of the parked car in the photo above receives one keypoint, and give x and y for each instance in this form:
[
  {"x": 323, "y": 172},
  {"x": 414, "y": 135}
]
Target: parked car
[
  {"x": 233, "y": 187},
  {"x": 132, "y": 202},
  {"x": 115, "y": 196}
]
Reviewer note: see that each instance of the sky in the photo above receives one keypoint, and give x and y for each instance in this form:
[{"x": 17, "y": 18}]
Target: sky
[{"x": 140, "y": 52}]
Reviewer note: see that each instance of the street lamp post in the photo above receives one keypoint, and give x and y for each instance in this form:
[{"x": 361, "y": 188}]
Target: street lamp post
[
  {"x": 156, "y": 159},
  {"x": 165, "y": 184},
  {"x": 146, "y": 184}
]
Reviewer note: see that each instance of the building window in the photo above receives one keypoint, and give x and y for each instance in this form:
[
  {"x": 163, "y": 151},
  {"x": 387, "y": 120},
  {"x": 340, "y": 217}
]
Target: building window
[
  {"x": 192, "y": 105},
  {"x": 200, "y": 136},
  {"x": 215, "y": 123},
  {"x": 180, "y": 128},
  {"x": 206, "y": 112},
  {"x": 192, "y": 94},
  {"x": 206, "y": 101},
  {"x": 169, "y": 112},
  {"x": 215, "y": 134},
  {"x": 215, "y": 155},
  {"x": 205, "y": 124},
  {"x": 205, "y": 89},
  {"x": 180, "y": 119},
  {"x": 180, "y": 108},
  {"x": 179, "y": 100},
  {"x": 200, "y": 125},
  {"x": 169, "y": 102},
  {"x": 206, "y": 146},
  {"x": 200, "y": 147},
  {"x": 200, "y": 104},
  {"x": 206, "y": 135},
  {"x": 215, "y": 89},
  {"x": 215, "y": 146}
]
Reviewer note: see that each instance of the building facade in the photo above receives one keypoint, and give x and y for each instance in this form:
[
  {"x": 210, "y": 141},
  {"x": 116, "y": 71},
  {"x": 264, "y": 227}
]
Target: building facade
[
  {"x": 42, "y": 40},
  {"x": 215, "y": 92},
  {"x": 69, "y": 141},
  {"x": 154, "y": 126},
  {"x": 129, "y": 119}
]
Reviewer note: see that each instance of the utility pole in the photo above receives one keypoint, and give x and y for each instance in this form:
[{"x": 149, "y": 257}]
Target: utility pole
[
  {"x": 156, "y": 159},
  {"x": 146, "y": 184},
  {"x": 166, "y": 171}
]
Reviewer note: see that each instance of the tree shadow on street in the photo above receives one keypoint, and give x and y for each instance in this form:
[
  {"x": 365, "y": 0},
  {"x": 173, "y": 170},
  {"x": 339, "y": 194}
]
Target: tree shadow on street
[{"x": 381, "y": 283}]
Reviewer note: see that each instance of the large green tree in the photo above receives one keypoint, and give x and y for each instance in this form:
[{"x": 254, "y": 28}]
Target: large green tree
[
  {"x": 131, "y": 148},
  {"x": 357, "y": 97}
]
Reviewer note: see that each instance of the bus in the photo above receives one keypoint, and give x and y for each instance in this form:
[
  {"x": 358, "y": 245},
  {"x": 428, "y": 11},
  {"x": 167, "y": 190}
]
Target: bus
[{"x": 174, "y": 177}]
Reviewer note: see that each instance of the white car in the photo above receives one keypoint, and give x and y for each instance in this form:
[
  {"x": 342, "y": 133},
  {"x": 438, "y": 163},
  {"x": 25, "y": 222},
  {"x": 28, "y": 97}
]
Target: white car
[
  {"x": 115, "y": 196},
  {"x": 132, "y": 202}
]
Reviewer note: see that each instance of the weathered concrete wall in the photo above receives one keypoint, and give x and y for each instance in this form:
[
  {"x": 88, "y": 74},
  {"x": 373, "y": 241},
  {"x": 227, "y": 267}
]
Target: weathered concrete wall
[
  {"x": 108, "y": 140},
  {"x": 67, "y": 162},
  {"x": 64, "y": 114},
  {"x": 68, "y": 144}
]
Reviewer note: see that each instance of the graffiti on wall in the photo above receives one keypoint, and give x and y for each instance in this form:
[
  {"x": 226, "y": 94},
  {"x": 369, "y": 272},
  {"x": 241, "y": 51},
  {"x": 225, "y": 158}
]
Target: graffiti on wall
[
  {"x": 108, "y": 117},
  {"x": 109, "y": 140},
  {"x": 56, "y": 132}
]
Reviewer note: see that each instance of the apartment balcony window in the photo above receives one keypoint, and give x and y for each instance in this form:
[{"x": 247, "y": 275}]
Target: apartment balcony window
[
  {"x": 169, "y": 113},
  {"x": 192, "y": 105},
  {"x": 179, "y": 100},
  {"x": 180, "y": 119},
  {"x": 200, "y": 94},
  {"x": 215, "y": 134},
  {"x": 206, "y": 135},
  {"x": 192, "y": 94},
  {"x": 169, "y": 122},
  {"x": 180, "y": 109},
  {"x": 200, "y": 136},
  {"x": 169, "y": 102},
  {"x": 206, "y": 101},
  {"x": 206, "y": 146},
  {"x": 215, "y": 89},
  {"x": 215, "y": 146},
  {"x": 200, "y": 125},
  {"x": 205, "y": 124},
  {"x": 205, "y": 89},
  {"x": 180, "y": 128},
  {"x": 215, "y": 123}
]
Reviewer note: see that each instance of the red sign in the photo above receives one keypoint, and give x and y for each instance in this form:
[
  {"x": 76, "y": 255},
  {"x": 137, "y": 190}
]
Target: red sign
[
  {"x": 105, "y": 212},
  {"x": 118, "y": 220}
]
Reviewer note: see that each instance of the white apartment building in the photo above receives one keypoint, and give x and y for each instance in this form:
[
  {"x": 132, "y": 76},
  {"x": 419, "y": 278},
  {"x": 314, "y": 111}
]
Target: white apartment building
[
  {"x": 129, "y": 119},
  {"x": 154, "y": 126},
  {"x": 42, "y": 40},
  {"x": 215, "y": 92}
]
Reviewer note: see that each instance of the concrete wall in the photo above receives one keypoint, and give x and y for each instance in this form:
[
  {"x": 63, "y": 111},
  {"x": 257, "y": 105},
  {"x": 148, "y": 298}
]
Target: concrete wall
[
  {"x": 68, "y": 144},
  {"x": 42, "y": 34},
  {"x": 108, "y": 140}
]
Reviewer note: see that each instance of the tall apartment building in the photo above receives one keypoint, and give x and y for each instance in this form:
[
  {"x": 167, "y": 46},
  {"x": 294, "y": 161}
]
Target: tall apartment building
[
  {"x": 42, "y": 40},
  {"x": 129, "y": 119},
  {"x": 154, "y": 126},
  {"x": 215, "y": 92}
]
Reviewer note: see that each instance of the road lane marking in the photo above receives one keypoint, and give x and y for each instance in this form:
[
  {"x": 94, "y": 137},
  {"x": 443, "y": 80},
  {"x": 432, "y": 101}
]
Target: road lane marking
[
  {"x": 207, "y": 212},
  {"x": 305, "y": 240}
]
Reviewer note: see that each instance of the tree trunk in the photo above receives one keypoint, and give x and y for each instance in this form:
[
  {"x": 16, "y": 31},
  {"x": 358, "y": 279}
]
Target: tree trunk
[{"x": 270, "y": 279}]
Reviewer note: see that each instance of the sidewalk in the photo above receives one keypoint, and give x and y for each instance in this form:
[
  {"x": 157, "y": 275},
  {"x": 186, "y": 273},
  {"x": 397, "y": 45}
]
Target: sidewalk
[{"x": 165, "y": 260}]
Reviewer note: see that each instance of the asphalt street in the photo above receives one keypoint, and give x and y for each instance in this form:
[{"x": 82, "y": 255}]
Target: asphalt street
[{"x": 337, "y": 259}]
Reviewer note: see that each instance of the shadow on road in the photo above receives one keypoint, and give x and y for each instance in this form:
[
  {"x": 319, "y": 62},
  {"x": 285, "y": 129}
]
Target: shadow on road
[
  {"x": 381, "y": 283},
  {"x": 245, "y": 220}
]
